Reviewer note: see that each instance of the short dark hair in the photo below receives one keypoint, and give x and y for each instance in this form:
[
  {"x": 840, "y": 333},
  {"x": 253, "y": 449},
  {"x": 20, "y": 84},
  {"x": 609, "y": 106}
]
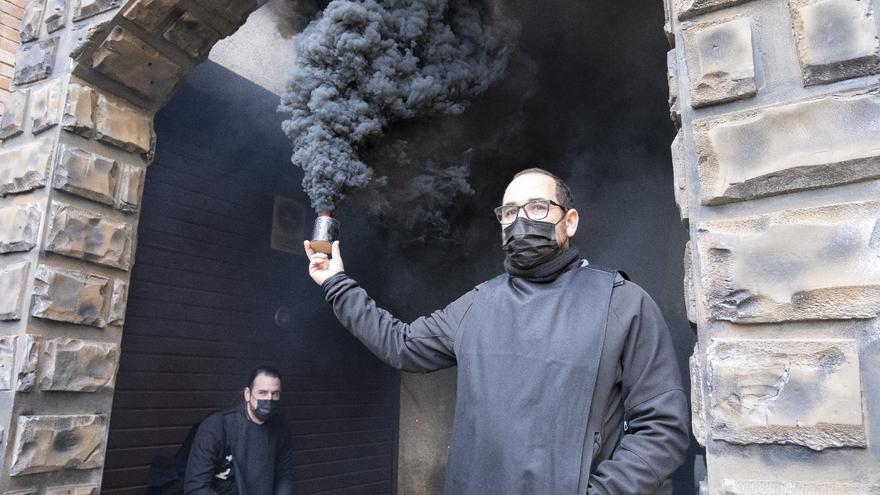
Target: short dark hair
[
  {"x": 262, "y": 370},
  {"x": 563, "y": 192}
]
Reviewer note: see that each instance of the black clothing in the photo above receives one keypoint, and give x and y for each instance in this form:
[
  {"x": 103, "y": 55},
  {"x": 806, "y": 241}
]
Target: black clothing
[
  {"x": 545, "y": 272},
  {"x": 232, "y": 455},
  {"x": 548, "y": 373}
]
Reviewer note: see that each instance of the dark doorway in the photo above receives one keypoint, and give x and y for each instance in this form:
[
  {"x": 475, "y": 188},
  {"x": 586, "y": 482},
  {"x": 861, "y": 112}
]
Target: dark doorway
[{"x": 205, "y": 292}]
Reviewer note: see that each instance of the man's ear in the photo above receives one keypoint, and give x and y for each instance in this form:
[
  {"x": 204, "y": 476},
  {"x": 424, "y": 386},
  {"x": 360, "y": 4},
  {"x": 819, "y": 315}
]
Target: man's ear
[
  {"x": 247, "y": 394},
  {"x": 572, "y": 218}
]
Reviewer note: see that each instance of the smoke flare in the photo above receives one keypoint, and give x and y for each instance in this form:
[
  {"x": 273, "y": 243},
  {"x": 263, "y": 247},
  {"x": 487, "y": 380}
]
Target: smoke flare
[{"x": 364, "y": 64}]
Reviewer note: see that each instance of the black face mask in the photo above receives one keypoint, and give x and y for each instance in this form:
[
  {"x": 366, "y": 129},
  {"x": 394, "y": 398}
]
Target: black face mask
[
  {"x": 528, "y": 243},
  {"x": 266, "y": 409}
]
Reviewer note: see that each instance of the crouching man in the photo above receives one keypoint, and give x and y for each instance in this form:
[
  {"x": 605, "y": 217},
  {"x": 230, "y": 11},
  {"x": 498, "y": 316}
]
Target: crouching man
[{"x": 246, "y": 449}]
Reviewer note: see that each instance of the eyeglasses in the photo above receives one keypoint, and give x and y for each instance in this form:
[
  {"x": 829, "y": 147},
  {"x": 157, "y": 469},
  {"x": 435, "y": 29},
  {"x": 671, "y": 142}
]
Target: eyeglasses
[{"x": 536, "y": 209}]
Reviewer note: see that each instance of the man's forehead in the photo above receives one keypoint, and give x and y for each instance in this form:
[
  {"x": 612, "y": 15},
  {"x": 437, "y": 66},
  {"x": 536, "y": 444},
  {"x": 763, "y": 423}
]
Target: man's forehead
[
  {"x": 266, "y": 382},
  {"x": 530, "y": 186}
]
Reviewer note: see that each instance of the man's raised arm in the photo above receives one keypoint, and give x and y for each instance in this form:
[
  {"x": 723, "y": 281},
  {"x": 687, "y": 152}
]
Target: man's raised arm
[{"x": 426, "y": 344}]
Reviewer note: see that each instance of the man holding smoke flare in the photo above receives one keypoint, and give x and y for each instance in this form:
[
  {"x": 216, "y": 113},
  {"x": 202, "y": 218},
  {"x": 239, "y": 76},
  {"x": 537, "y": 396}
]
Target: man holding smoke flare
[{"x": 567, "y": 378}]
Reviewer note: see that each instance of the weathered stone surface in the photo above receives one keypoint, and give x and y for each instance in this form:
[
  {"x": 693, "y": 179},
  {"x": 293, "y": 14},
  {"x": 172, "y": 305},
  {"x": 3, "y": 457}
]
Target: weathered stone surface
[
  {"x": 29, "y": 351},
  {"x": 73, "y": 365},
  {"x": 117, "y": 303},
  {"x": 46, "y": 106},
  {"x": 70, "y": 296},
  {"x": 149, "y": 14},
  {"x": 805, "y": 264},
  {"x": 720, "y": 63},
  {"x": 679, "y": 175},
  {"x": 129, "y": 188},
  {"x": 786, "y": 391},
  {"x": 19, "y": 227},
  {"x": 126, "y": 58},
  {"x": 35, "y": 61},
  {"x": 123, "y": 125},
  {"x": 73, "y": 490},
  {"x": 7, "y": 361},
  {"x": 88, "y": 235},
  {"x": 86, "y": 174},
  {"x": 672, "y": 79},
  {"x": 31, "y": 21},
  {"x": 13, "y": 282},
  {"x": 192, "y": 35},
  {"x": 88, "y": 8},
  {"x": 690, "y": 8},
  {"x": 56, "y": 15},
  {"x": 690, "y": 297},
  {"x": 836, "y": 39},
  {"x": 797, "y": 146},
  {"x": 79, "y": 110},
  {"x": 784, "y": 487},
  {"x": 55, "y": 443},
  {"x": 26, "y": 491},
  {"x": 24, "y": 168},
  {"x": 698, "y": 397},
  {"x": 12, "y": 117}
]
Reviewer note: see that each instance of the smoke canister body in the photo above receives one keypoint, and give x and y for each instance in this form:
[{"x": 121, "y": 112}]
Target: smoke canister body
[{"x": 325, "y": 232}]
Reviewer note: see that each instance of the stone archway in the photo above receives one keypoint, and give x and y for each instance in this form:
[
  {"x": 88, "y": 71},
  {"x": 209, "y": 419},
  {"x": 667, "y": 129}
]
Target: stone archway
[{"x": 783, "y": 281}]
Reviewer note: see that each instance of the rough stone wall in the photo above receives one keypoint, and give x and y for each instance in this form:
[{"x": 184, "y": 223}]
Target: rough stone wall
[
  {"x": 776, "y": 162},
  {"x": 11, "y": 13},
  {"x": 77, "y": 137}
]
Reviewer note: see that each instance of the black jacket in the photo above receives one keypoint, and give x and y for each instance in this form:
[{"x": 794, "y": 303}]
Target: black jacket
[
  {"x": 570, "y": 386},
  {"x": 229, "y": 435}
]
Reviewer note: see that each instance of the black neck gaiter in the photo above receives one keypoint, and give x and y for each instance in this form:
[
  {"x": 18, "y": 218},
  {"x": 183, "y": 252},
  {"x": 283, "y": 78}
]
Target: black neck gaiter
[{"x": 547, "y": 271}]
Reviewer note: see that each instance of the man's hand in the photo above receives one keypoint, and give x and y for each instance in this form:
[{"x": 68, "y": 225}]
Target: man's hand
[{"x": 320, "y": 266}]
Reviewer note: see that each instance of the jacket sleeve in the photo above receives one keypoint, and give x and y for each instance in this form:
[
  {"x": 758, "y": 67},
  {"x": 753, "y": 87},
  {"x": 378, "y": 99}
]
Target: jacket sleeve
[
  {"x": 284, "y": 465},
  {"x": 426, "y": 344},
  {"x": 656, "y": 435},
  {"x": 207, "y": 447}
]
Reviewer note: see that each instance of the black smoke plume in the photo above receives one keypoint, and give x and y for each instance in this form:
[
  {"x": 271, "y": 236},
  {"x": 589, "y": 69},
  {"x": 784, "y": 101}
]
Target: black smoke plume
[{"x": 362, "y": 65}]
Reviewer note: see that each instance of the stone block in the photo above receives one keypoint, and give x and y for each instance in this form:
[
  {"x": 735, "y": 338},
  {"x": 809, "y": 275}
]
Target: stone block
[
  {"x": 804, "y": 264},
  {"x": 787, "y": 487},
  {"x": 149, "y": 14},
  {"x": 679, "y": 175},
  {"x": 836, "y": 39},
  {"x": 46, "y": 106},
  {"x": 87, "y": 8},
  {"x": 29, "y": 351},
  {"x": 118, "y": 299},
  {"x": 86, "y": 174},
  {"x": 690, "y": 8},
  {"x": 192, "y": 35},
  {"x": 25, "y": 168},
  {"x": 808, "y": 144},
  {"x": 26, "y": 491},
  {"x": 13, "y": 284},
  {"x": 12, "y": 117},
  {"x": 786, "y": 391},
  {"x": 129, "y": 188},
  {"x": 70, "y": 296},
  {"x": 690, "y": 296},
  {"x": 31, "y": 21},
  {"x": 698, "y": 398},
  {"x": 35, "y": 61},
  {"x": 88, "y": 235},
  {"x": 56, "y": 15},
  {"x": 19, "y": 227},
  {"x": 131, "y": 61},
  {"x": 57, "y": 443},
  {"x": 672, "y": 79},
  {"x": 7, "y": 361},
  {"x": 123, "y": 125},
  {"x": 79, "y": 110},
  {"x": 73, "y": 490},
  {"x": 721, "y": 67},
  {"x": 72, "y": 365}
]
